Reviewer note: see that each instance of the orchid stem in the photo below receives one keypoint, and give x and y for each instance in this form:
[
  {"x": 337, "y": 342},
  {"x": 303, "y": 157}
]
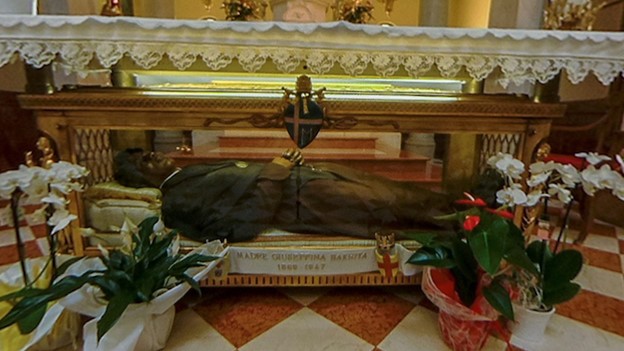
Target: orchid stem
[
  {"x": 21, "y": 248},
  {"x": 51, "y": 241},
  {"x": 563, "y": 226}
]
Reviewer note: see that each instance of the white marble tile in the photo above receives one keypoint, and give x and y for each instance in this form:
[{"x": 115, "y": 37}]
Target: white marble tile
[
  {"x": 409, "y": 293},
  {"x": 601, "y": 242},
  {"x": 304, "y": 295},
  {"x": 419, "y": 331},
  {"x": 566, "y": 334},
  {"x": 306, "y": 330},
  {"x": 191, "y": 332},
  {"x": 602, "y": 281}
]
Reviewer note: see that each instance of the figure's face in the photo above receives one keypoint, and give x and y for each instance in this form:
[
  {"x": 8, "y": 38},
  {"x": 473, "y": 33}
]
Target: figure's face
[{"x": 156, "y": 166}]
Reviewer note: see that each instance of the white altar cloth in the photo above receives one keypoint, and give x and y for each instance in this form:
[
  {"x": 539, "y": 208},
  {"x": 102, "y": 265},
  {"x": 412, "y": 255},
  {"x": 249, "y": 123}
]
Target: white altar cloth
[{"x": 521, "y": 55}]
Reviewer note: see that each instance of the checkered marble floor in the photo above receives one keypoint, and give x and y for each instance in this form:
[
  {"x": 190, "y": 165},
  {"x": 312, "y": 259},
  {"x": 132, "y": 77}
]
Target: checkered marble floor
[{"x": 400, "y": 318}]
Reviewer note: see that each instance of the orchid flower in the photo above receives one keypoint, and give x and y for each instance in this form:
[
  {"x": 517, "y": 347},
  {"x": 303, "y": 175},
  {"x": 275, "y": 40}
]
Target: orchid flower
[
  {"x": 127, "y": 231},
  {"x": 511, "y": 196},
  {"x": 597, "y": 179},
  {"x": 9, "y": 181},
  {"x": 593, "y": 158},
  {"x": 534, "y": 197},
  {"x": 560, "y": 192},
  {"x": 568, "y": 174},
  {"x": 507, "y": 165},
  {"x": 60, "y": 220}
]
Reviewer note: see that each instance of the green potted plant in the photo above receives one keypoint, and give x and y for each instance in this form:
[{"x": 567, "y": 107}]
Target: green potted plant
[
  {"x": 537, "y": 294},
  {"x": 538, "y": 290},
  {"x": 33, "y": 202},
  {"x": 468, "y": 281},
  {"x": 490, "y": 259},
  {"x": 130, "y": 291}
]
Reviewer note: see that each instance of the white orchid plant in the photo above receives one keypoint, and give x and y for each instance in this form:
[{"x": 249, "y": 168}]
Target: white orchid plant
[
  {"x": 555, "y": 180},
  {"x": 48, "y": 187},
  {"x": 551, "y": 180}
]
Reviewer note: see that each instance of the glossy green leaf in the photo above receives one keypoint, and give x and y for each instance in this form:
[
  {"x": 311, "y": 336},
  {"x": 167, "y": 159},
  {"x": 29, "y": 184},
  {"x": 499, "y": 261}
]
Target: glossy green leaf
[
  {"x": 560, "y": 293},
  {"x": 465, "y": 261},
  {"x": 519, "y": 258},
  {"x": 27, "y": 324},
  {"x": 499, "y": 298},
  {"x": 488, "y": 245},
  {"x": 20, "y": 294},
  {"x": 430, "y": 256},
  {"x": 115, "y": 308},
  {"x": 63, "y": 267},
  {"x": 192, "y": 282},
  {"x": 539, "y": 252},
  {"x": 465, "y": 286},
  {"x": 563, "y": 267}
]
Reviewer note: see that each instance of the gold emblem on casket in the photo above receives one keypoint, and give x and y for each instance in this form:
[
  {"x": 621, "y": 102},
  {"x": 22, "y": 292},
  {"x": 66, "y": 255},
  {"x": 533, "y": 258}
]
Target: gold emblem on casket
[{"x": 386, "y": 255}]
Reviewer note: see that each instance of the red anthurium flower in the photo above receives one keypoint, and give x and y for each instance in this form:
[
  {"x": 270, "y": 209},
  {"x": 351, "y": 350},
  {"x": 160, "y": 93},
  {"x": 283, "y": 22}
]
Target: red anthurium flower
[
  {"x": 471, "y": 201},
  {"x": 470, "y": 222},
  {"x": 502, "y": 213}
]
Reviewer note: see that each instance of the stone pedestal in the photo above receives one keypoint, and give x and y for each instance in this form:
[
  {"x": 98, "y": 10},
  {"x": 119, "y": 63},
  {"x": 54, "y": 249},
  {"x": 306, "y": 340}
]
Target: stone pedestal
[
  {"x": 422, "y": 144},
  {"x": 433, "y": 13},
  {"x": 18, "y": 7}
]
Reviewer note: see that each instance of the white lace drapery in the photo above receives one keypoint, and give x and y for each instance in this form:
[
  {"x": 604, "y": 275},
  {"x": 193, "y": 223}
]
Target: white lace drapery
[{"x": 520, "y": 55}]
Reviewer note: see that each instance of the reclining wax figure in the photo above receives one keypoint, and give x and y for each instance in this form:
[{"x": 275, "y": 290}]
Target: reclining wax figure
[{"x": 237, "y": 200}]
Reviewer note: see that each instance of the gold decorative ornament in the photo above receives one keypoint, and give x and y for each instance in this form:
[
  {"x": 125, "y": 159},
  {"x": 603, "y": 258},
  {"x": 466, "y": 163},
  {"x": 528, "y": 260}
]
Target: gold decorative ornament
[
  {"x": 243, "y": 10},
  {"x": 354, "y": 11},
  {"x": 358, "y": 11},
  {"x": 573, "y": 14},
  {"x": 112, "y": 8},
  {"x": 47, "y": 152}
]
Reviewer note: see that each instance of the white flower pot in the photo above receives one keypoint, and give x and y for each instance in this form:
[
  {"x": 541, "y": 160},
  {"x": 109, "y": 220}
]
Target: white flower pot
[
  {"x": 18, "y": 7},
  {"x": 157, "y": 331},
  {"x": 138, "y": 329},
  {"x": 300, "y": 10},
  {"x": 529, "y": 328}
]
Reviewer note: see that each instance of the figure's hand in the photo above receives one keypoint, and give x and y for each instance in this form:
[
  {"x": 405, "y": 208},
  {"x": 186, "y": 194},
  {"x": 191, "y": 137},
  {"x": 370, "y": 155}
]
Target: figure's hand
[{"x": 294, "y": 156}]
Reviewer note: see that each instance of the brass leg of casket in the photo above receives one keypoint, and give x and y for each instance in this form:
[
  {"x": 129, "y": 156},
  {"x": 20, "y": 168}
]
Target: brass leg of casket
[
  {"x": 547, "y": 92},
  {"x": 39, "y": 80}
]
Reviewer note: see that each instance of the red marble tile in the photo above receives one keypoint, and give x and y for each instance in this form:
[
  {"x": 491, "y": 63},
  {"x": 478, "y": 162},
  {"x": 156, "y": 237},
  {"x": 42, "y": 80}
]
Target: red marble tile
[
  {"x": 369, "y": 313},
  {"x": 597, "y": 258},
  {"x": 240, "y": 315},
  {"x": 603, "y": 229},
  {"x": 596, "y": 310},
  {"x": 621, "y": 242}
]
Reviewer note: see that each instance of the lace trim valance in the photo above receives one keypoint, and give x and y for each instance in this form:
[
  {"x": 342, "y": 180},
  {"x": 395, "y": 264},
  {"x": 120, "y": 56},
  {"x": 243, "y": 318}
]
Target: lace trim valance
[{"x": 520, "y": 55}]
